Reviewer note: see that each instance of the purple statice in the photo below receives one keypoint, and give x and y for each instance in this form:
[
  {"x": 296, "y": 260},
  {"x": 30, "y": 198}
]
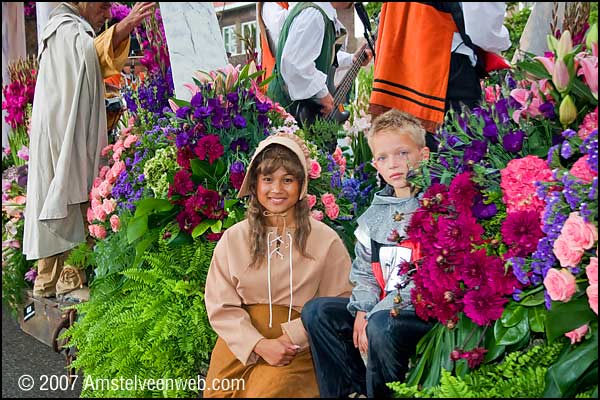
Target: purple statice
[
  {"x": 569, "y": 133},
  {"x": 331, "y": 165},
  {"x": 547, "y": 300},
  {"x": 553, "y": 155},
  {"x": 547, "y": 110},
  {"x": 513, "y": 141},
  {"x": 570, "y": 192},
  {"x": 517, "y": 295},
  {"x": 566, "y": 151},
  {"x": 590, "y": 147},
  {"x": 593, "y": 193},
  {"x": 519, "y": 272},
  {"x": 585, "y": 212},
  {"x": 336, "y": 180},
  {"x": 182, "y": 139}
]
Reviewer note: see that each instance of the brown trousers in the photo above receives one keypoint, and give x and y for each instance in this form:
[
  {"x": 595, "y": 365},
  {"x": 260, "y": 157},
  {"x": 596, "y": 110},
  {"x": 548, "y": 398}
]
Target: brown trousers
[{"x": 50, "y": 268}]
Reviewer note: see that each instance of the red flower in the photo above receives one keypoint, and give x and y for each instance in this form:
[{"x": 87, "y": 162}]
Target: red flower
[
  {"x": 209, "y": 147},
  {"x": 462, "y": 192},
  {"x": 484, "y": 305}
]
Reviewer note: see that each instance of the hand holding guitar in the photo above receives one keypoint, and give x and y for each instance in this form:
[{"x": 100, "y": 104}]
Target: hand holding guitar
[
  {"x": 368, "y": 55},
  {"x": 326, "y": 104}
]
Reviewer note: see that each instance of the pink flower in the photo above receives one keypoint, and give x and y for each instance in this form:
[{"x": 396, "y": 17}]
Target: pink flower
[
  {"x": 23, "y": 153},
  {"x": 589, "y": 69},
  {"x": 115, "y": 223},
  {"x": 129, "y": 141},
  {"x": 560, "y": 284},
  {"x": 315, "y": 169},
  {"x": 312, "y": 200},
  {"x": 173, "y": 105},
  {"x": 104, "y": 189},
  {"x": 332, "y": 211},
  {"x": 518, "y": 183},
  {"x": 117, "y": 168},
  {"x": 577, "y": 334},
  {"x": 109, "y": 206},
  {"x": 592, "y": 293},
  {"x": 328, "y": 199},
  {"x": 582, "y": 170},
  {"x": 102, "y": 173},
  {"x": 592, "y": 271},
  {"x": 107, "y": 150},
  {"x": 578, "y": 233},
  {"x": 97, "y": 231},
  {"x": 590, "y": 122},
  {"x": 90, "y": 215},
  {"x": 566, "y": 255},
  {"x": 99, "y": 214},
  {"x": 316, "y": 214},
  {"x": 338, "y": 156},
  {"x": 7, "y": 150}
]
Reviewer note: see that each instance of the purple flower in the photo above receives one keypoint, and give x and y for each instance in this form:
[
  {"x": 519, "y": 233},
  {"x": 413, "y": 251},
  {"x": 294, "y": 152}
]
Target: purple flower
[
  {"x": 263, "y": 120},
  {"x": 203, "y": 112},
  {"x": 182, "y": 139},
  {"x": 502, "y": 110},
  {"x": 196, "y": 100},
  {"x": 512, "y": 84},
  {"x": 182, "y": 112},
  {"x": 513, "y": 141},
  {"x": 483, "y": 211},
  {"x": 240, "y": 145},
  {"x": 490, "y": 130},
  {"x": 31, "y": 275},
  {"x": 119, "y": 11},
  {"x": 237, "y": 167},
  {"x": 263, "y": 108},
  {"x": 475, "y": 153},
  {"x": 547, "y": 110},
  {"x": 518, "y": 271},
  {"x": 239, "y": 122},
  {"x": 566, "y": 151}
]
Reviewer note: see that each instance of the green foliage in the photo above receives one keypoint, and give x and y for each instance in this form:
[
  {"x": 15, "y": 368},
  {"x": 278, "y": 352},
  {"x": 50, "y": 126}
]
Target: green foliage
[
  {"x": 515, "y": 25},
  {"x": 151, "y": 325},
  {"x": 81, "y": 257},
  {"x": 13, "y": 282},
  {"x": 323, "y": 133},
  {"x": 520, "y": 374}
]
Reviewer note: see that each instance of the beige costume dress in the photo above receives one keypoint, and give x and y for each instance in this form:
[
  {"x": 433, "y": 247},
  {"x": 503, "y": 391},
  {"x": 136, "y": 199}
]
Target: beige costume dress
[
  {"x": 68, "y": 132},
  {"x": 247, "y": 304}
]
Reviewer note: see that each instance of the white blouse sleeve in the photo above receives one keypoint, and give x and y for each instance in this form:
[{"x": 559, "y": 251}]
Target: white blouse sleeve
[{"x": 484, "y": 23}]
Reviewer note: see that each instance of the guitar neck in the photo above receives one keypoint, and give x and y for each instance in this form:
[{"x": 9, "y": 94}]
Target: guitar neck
[{"x": 344, "y": 87}]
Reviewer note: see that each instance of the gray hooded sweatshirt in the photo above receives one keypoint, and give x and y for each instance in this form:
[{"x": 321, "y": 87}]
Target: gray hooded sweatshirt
[{"x": 377, "y": 224}]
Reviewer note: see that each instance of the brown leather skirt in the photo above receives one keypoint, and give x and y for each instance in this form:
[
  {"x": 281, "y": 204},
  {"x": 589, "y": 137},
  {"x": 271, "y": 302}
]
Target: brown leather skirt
[{"x": 297, "y": 379}]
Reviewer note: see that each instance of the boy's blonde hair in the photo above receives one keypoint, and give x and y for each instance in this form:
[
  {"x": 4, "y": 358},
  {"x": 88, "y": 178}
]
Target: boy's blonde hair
[{"x": 399, "y": 121}]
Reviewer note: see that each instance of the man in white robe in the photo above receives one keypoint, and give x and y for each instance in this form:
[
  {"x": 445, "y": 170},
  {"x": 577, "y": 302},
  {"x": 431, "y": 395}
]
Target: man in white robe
[{"x": 68, "y": 128}]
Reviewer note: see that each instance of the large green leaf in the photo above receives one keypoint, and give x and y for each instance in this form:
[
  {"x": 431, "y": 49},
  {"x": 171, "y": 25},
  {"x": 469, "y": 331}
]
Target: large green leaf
[
  {"x": 533, "y": 300},
  {"x": 151, "y": 204},
  {"x": 202, "y": 227},
  {"x": 570, "y": 367},
  {"x": 202, "y": 169},
  {"x": 537, "y": 317},
  {"x": 506, "y": 336},
  {"x": 513, "y": 314},
  {"x": 137, "y": 227},
  {"x": 535, "y": 68},
  {"x": 564, "y": 317}
]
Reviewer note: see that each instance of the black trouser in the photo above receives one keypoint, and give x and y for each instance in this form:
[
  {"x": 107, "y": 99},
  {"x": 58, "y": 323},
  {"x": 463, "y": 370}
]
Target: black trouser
[
  {"x": 339, "y": 367},
  {"x": 464, "y": 89}
]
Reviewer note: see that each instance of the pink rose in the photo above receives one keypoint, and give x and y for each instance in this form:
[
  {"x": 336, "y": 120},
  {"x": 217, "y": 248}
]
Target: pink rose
[
  {"x": 567, "y": 256},
  {"x": 130, "y": 140},
  {"x": 312, "y": 200},
  {"x": 115, "y": 223},
  {"x": 103, "y": 171},
  {"x": 96, "y": 203},
  {"x": 592, "y": 271},
  {"x": 316, "y": 214},
  {"x": 95, "y": 194},
  {"x": 97, "y": 231},
  {"x": 560, "y": 284},
  {"x": 99, "y": 213},
  {"x": 332, "y": 211},
  {"x": 109, "y": 206},
  {"x": 117, "y": 154},
  {"x": 328, "y": 199},
  {"x": 315, "y": 169},
  {"x": 338, "y": 156},
  {"x": 97, "y": 181},
  {"x": 578, "y": 233},
  {"x": 90, "y": 215},
  {"x": 106, "y": 150},
  {"x": 117, "y": 168},
  {"x": 577, "y": 334},
  {"x": 592, "y": 293},
  {"x": 104, "y": 189},
  {"x": 582, "y": 170}
]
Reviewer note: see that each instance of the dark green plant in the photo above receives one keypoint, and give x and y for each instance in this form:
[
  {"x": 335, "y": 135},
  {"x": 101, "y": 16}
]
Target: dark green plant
[
  {"x": 148, "y": 322},
  {"x": 515, "y": 25},
  {"x": 323, "y": 133},
  {"x": 520, "y": 374}
]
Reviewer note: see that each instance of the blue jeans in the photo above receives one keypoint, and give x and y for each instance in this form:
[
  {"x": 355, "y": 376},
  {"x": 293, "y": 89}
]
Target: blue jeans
[{"x": 339, "y": 367}]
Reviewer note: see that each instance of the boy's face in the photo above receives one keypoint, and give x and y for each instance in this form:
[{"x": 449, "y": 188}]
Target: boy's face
[{"x": 394, "y": 154}]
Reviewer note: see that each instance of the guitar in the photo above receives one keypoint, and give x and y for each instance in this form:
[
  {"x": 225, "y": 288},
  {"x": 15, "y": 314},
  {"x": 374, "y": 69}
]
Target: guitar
[{"x": 306, "y": 111}]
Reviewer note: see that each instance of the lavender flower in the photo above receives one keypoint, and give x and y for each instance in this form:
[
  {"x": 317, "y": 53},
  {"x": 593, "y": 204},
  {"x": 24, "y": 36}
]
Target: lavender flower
[
  {"x": 566, "y": 150},
  {"x": 568, "y": 133}
]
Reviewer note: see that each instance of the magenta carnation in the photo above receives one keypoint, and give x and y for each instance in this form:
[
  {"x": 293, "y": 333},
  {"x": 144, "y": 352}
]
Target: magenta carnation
[
  {"x": 182, "y": 183},
  {"x": 210, "y": 148}
]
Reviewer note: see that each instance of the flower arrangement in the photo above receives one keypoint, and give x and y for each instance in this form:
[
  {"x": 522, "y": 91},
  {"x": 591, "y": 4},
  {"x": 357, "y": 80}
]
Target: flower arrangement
[{"x": 508, "y": 225}]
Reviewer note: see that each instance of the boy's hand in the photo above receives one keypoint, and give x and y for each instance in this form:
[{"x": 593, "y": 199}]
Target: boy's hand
[
  {"x": 360, "y": 332},
  {"x": 277, "y": 352}
]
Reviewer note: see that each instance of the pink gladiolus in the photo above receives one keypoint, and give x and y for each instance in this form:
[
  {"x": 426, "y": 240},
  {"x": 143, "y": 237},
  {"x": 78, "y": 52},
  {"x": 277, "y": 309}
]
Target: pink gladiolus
[
  {"x": 99, "y": 214},
  {"x": 109, "y": 206},
  {"x": 102, "y": 174},
  {"x": 90, "y": 215},
  {"x": 7, "y": 150},
  {"x": 577, "y": 334},
  {"x": 23, "y": 153},
  {"x": 560, "y": 284}
]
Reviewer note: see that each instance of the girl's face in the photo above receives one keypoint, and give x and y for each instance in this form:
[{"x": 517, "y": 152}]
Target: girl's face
[{"x": 278, "y": 192}]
